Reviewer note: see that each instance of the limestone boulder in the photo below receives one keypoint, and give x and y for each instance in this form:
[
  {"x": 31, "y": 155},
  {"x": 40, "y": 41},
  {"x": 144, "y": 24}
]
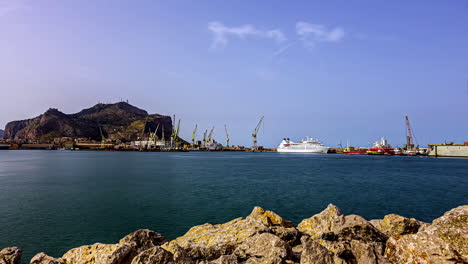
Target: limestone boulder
[
  {"x": 314, "y": 253},
  {"x": 355, "y": 227},
  {"x": 209, "y": 242},
  {"x": 368, "y": 253},
  {"x": 179, "y": 254},
  {"x": 227, "y": 259},
  {"x": 325, "y": 222},
  {"x": 282, "y": 228},
  {"x": 42, "y": 258},
  {"x": 98, "y": 254},
  {"x": 154, "y": 255},
  {"x": 452, "y": 227},
  {"x": 10, "y": 255},
  {"x": 394, "y": 224},
  {"x": 263, "y": 248},
  {"x": 420, "y": 248},
  {"x": 331, "y": 224},
  {"x": 141, "y": 240}
]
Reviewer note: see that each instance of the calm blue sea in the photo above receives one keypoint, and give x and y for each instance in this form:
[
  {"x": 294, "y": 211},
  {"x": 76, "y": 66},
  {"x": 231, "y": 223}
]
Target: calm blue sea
[{"x": 52, "y": 201}]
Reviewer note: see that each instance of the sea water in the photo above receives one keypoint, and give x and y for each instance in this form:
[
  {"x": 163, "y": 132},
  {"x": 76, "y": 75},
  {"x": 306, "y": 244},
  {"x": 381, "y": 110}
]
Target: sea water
[{"x": 53, "y": 201}]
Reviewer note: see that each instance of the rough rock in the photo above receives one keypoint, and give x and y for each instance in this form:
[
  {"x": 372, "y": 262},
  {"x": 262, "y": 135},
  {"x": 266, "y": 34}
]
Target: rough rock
[
  {"x": 98, "y": 254},
  {"x": 263, "y": 248},
  {"x": 314, "y": 253},
  {"x": 10, "y": 255},
  {"x": 282, "y": 228},
  {"x": 368, "y": 253},
  {"x": 452, "y": 227},
  {"x": 141, "y": 240},
  {"x": 42, "y": 258},
  {"x": 376, "y": 222},
  {"x": 348, "y": 239},
  {"x": 394, "y": 224},
  {"x": 227, "y": 259},
  {"x": 154, "y": 255},
  {"x": 333, "y": 228},
  {"x": 420, "y": 248},
  {"x": 356, "y": 227},
  {"x": 179, "y": 254},
  {"x": 324, "y": 222},
  {"x": 209, "y": 242}
]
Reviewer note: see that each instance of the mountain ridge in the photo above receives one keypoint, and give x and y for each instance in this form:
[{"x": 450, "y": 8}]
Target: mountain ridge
[{"x": 116, "y": 121}]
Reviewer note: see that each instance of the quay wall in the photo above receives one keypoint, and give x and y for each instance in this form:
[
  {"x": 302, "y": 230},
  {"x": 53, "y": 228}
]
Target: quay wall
[{"x": 449, "y": 151}]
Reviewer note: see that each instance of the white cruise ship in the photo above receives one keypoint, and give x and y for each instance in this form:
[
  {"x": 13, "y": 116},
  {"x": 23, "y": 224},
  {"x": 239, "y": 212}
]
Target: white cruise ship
[{"x": 304, "y": 146}]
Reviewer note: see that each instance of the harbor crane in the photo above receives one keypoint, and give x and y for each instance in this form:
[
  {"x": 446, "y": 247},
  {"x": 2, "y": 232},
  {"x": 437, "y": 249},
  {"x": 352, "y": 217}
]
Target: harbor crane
[
  {"x": 103, "y": 139},
  {"x": 409, "y": 137},
  {"x": 254, "y": 134},
  {"x": 194, "y": 133},
  {"x": 204, "y": 138},
  {"x": 175, "y": 132},
  {"x": 210, "y": 136},
  {"x": 153, "y": 137},
  {"x": 227, "y": 137}
]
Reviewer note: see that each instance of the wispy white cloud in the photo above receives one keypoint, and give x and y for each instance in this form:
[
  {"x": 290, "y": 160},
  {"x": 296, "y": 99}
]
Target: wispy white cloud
[
  {"x": 310, "y": 34},
  {"x": 221, "y": 33}
]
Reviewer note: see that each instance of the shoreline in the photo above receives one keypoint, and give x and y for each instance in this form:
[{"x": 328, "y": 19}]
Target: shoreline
[{"x": 265, "y": 237}]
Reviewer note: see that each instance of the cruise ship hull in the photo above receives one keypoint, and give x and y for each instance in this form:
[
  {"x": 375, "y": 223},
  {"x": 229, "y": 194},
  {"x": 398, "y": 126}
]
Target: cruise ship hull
[{"x": 313, "y": 151}]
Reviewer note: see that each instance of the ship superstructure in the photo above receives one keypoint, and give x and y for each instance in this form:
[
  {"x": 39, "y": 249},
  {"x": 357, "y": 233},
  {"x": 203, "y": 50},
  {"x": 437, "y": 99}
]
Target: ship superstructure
[{"x": 304, "y": 146}]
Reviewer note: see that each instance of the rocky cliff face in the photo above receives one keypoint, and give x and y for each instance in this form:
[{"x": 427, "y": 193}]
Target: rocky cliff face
[
  {"x": 264, "y": 237},
  {"x": 117, "y": 121}
]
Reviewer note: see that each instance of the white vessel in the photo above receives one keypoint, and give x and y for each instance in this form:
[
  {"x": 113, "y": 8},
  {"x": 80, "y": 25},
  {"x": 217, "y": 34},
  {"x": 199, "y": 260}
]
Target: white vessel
[{"x": 304, "y": 146}]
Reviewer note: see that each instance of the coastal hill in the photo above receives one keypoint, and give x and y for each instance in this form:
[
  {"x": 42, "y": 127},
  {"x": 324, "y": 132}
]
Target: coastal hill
[
  {"x": 1, "y": 133},
  {"x": 117, "y": 121}
]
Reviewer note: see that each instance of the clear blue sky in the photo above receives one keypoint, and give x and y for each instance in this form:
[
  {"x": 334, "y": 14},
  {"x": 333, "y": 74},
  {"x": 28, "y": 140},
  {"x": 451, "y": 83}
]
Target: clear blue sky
[{"x": 333, "y": 70}]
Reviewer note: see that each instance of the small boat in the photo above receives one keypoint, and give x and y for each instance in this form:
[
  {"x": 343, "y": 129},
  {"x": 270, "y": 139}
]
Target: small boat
[{"x": 353, "y": 151}]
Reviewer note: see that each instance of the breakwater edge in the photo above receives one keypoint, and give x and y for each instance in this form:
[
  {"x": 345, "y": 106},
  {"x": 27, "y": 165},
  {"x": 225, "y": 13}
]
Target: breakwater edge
[{"x": 265, "y": 237}]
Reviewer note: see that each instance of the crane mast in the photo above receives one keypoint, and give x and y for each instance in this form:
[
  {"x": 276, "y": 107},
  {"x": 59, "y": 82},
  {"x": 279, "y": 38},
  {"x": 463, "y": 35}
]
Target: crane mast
[
  {"x": 103, "y": 139},
  {"x": 409, "y": 137},
  {"x": 210, "y": 136},
  {"x": 153, "y": 136},
  {"x": 255, "y": 132},
  {"x": 227, "y": 136},
  {"x": 176, "y": 135},
  {"x": 204, "y": 138},
  {"x": 193, "y": 135}
]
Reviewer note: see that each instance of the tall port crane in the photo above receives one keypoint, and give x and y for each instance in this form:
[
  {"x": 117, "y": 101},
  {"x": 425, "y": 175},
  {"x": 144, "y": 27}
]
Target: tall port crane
[
  {"x": 194, "y": 133},
  {"x": 255, "y": 132},
  {"x": 176, "y": 134},
  {"x": 210, "y": 136},
  {"x": 103, "y": 139},
  {"x": 153, "y": 137},
  {"x": 227, "y": 136},
  {"x": 204, "y": 138},
  {"x": 409, "y": 137},
  {"x": 173, "y": 129}
]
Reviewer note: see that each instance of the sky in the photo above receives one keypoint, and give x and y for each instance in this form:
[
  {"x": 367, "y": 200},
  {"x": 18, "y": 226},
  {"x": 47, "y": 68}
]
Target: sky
[{"x": 334, "y": 70}]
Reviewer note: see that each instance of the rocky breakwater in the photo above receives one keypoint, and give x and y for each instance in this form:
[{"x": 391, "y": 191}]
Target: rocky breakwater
[{"x": 264, "y": 237}]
